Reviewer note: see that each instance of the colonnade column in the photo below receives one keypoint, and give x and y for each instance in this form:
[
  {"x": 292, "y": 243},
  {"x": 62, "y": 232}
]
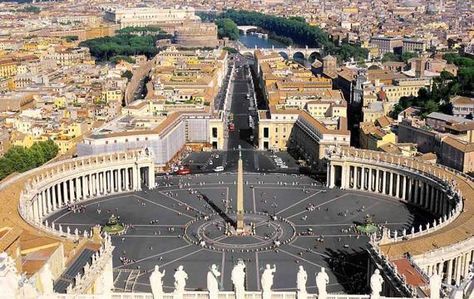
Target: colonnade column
[
  {"x": 119, "y": 176},
  {"x": 109, "y": 181},
  {"x": 53, "y": 197},
  {"x": 79, "y": 190},
  {"x": 416, "y": 185},
  {"x": 458, "y": 269},
  {"x": 384, "y": 183},
  {"x": 34, "y": 207},
  {"x": 45, "y": 202},
  {"x": 370, "y": 179},
  {"x": 467, "y": 262},
  {"x": 392, "y": 182},
  {"x": 72, "y": 189},
  {"x": 399, "y": 185},
  {"x": 127, "y": 180},
  {"x": 377, "y": 179},
  {"x": 449, "y": 271}
]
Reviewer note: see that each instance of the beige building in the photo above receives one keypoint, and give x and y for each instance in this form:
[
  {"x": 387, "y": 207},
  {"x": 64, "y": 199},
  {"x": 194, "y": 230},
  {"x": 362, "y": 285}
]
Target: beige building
[
  {"x": 451, "y": 138},
  {"x": 165, "y": 18},
  {"x": 405, "y": 87},
  {"x": 297, "y": 130},
  {"x": 196, "y": 35}
]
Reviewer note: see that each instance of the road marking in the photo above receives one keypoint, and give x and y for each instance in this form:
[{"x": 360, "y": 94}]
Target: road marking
[
  {"x": 300, "y": 258},
  {"x": 298, "y": 202},
  {"x": 187, "y": 205},
  {"x": 153, "y": 256},
  {"x": 254, "y": 205},
  {"x": 157, "y": 204},
  {"x": 323, "y": 225},
  {"x": 175, "y": 260},
  {"x": 149, "y": 236},
  {"x": 311, "y": 250},
  {"x": 321, "y": 204}
]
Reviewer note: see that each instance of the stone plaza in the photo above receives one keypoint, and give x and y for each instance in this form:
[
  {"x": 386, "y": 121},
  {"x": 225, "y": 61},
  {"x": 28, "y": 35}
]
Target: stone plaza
[{"x": 298, "y": 222}]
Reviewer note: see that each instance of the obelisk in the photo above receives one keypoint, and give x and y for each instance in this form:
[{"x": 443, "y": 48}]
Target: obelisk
[{"x": 240, "y": 195}]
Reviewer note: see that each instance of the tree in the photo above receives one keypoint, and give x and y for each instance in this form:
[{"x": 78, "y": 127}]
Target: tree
[
  {"x": 389, "y": 56},
  {"x": 299, "y": 31},
  {"x": 127, "y": 74},
  {"x": 407, "y": 56},
  {"x": 31, "y": 9},
  {"x": 141, "y": 41},
  {"x": 227, "y": 28}
]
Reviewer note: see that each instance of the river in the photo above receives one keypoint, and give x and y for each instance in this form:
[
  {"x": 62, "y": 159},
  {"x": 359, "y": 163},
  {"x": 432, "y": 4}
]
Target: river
[{"x": 251, "y": 40}]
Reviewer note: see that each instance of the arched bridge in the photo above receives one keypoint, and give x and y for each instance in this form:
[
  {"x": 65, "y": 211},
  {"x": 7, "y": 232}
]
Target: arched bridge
[
  {"x": 289, "y": 52},
  {"x": 245, "y": 29}
]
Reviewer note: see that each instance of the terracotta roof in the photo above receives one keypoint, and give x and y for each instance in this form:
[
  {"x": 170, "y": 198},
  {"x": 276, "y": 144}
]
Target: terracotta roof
[
  {"x": 390, "y": 148},
  {"x": 412, "y": 276},
  {"x": 384, "y": 121},
  {"x": 463, "y": 146},
  {"x": 428, "y": 156},
  {"x": 460, "y": 100}
]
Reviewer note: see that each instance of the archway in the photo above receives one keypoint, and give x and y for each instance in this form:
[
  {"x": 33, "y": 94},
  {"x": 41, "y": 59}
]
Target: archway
[
  {"x": 250, "y": 30},
  {"x": 299, "y": 57},
  {"x": 248, "y": 54},
  {"x": 314, "y": 56},
  {"x": 284, "y": 55}
]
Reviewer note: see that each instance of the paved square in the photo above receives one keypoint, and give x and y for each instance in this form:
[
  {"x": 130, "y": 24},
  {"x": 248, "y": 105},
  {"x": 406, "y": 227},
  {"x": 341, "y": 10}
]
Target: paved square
[{"x": 314, "y": 225}]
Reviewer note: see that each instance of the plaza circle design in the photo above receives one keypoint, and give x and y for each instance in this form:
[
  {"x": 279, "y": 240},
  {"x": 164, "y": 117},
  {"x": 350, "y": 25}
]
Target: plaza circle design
[{"x": 270, "y": 233}]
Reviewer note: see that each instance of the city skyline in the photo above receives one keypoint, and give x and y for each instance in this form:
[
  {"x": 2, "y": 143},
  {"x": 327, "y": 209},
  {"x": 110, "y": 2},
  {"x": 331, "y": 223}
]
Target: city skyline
[{"x": 287, "y": 149}]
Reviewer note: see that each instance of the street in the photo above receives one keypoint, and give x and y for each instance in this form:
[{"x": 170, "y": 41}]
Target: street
[{"x": 242, "y": 112}]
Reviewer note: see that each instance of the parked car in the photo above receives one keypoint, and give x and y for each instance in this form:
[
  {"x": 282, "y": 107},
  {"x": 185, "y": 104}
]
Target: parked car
[
  {"x": 219, "y": 169},
  {"x": 184, "y": 171}
]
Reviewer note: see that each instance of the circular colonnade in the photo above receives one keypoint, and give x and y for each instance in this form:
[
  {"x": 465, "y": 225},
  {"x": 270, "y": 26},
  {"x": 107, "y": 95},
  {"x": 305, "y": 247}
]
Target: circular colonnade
[{"x": 444, "y": 246}]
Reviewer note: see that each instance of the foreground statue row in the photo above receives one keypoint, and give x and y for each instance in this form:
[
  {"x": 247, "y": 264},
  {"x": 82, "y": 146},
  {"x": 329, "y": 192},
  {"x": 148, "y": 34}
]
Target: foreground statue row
[{"x": 238, "y": 281}]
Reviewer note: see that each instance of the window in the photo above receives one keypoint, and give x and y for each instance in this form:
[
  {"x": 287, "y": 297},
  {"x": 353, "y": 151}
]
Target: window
[
  {"x": 265, "y": 133},
  {"x": 214, "y": 132}
]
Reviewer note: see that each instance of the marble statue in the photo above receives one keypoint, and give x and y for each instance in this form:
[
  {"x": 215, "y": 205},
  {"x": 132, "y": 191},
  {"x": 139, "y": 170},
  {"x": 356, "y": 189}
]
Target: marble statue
[
  {"x": 238, "y": 279},
  {"x": 156, "y": 282},
  {"x": 376, "y": 282},
  {"x": 322, "y": 279},
  {"x": 301, "y": 279},
  {"x": 180, "y": 278},
  {"x": 46, "y": 278},
  {"x": 267, "y": 277},
  {"x": 9, "y": 276},
  {"x": 212, "y": 282},
  {"x": 435, "y": 286}
]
